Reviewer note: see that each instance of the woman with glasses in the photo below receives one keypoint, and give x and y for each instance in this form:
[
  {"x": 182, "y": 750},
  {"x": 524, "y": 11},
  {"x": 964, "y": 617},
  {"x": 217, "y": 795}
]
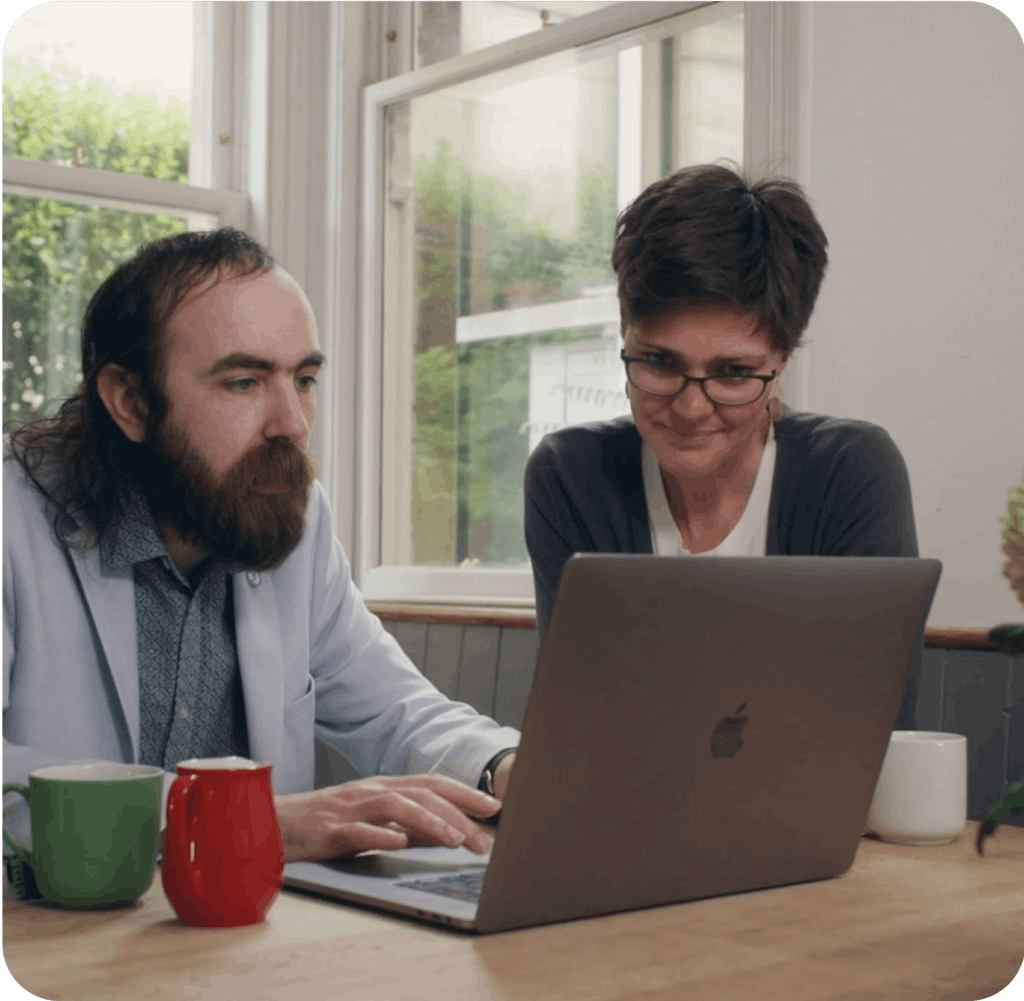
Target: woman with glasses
[{"x": 716, "y": 280}]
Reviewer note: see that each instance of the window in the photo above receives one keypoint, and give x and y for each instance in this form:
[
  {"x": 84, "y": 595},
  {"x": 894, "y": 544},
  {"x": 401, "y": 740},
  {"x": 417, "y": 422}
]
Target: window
[
  {"x": 492, "y": 181},
  {"x": 445, "y": 29},
  {"x": 289, "y": 137},
  {"x": 99, "y": 154}
]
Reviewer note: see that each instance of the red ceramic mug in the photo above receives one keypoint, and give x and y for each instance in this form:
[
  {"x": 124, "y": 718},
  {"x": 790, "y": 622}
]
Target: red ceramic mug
[{"x": 223, "y": 854}]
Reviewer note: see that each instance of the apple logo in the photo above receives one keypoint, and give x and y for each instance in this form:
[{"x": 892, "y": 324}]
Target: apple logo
[{"x": 727, "y": 737}]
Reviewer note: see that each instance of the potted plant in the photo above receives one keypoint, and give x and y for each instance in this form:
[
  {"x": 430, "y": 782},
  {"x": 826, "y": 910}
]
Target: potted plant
[{"x": 1009, "y": 639}]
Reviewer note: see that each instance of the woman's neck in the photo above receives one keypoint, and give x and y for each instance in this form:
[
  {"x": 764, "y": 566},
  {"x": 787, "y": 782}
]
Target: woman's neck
[{"x": 707, "y": 508}]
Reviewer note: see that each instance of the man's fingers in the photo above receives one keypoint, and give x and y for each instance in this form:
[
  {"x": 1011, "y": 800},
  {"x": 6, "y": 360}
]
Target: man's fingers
[
  {"x": 414, "y": 811},
  {"x": 345, "y": 839},
  {"x": 417, "y": 842},
  {"x": 471, "y": 801},
  {"x": 411, "y": 815},
  {"x": 414, "y": 840},
  {"x": 451, "y": 815},
  {"x": 385, "y": 812},
  {"x": 361, "y": 837}
]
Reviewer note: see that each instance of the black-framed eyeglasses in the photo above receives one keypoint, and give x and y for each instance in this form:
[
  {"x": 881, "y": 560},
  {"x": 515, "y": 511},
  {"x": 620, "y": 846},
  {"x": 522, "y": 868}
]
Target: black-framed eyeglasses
[{"x": 664, "y": 380}]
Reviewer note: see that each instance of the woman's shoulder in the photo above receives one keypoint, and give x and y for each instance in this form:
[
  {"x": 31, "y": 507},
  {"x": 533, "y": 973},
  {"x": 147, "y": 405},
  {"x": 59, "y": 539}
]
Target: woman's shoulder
[
  {"x": 798, "y": 424},
  {"x": 820, "y": 435},
  {"x": 585, "y": 443},
  {"x": 588, "y": 459}
]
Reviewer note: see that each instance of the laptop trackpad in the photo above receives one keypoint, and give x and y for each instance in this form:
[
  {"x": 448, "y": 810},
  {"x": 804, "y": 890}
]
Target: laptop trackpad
[{"x": 408, "y": 862}]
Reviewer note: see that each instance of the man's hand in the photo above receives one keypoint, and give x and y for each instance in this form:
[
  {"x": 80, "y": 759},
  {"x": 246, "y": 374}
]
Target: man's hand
[{"x": 383, "y": 812}]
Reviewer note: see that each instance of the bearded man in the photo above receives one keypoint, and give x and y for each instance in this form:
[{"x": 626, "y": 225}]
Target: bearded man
[{"x": 172, "y": 587}]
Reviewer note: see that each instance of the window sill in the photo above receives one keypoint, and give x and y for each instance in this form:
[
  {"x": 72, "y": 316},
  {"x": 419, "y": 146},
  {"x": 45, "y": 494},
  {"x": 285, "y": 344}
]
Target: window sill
[
  {"x": 489, "y": 587},
  {"x": 959, "y": 639},
  {"x": 514, "y": 618},
  {"x": 460, "y": 615}
]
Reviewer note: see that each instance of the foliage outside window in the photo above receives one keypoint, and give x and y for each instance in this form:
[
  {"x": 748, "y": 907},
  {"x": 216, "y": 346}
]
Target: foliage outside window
[
  {"x": 56, "y": 253},
  {"x": 471, "y": 409},
  {"x": 500, "y": 317}
]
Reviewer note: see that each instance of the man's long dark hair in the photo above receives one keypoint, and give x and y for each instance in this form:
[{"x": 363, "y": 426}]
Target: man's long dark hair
[{"x": 80, "y": 459}]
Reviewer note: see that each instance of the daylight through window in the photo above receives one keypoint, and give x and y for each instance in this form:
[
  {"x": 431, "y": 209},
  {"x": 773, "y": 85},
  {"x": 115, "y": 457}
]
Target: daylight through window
[{"x": 501, "y": 321}]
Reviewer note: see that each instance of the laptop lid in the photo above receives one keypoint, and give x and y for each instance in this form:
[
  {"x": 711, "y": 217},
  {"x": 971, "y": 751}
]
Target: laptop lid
[
  {"x": 702, "y": 726},
  {"x": 696, "y": 726}
]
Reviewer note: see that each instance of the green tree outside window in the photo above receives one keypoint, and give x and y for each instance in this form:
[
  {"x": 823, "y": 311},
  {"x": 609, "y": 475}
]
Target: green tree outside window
[
  {"x": 475, "y": 247},
  {"x": 57, "y": 253}
]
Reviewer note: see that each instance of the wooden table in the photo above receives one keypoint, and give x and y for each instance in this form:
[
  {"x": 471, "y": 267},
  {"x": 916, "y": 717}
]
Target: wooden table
[{"x": 907, "y": 923}]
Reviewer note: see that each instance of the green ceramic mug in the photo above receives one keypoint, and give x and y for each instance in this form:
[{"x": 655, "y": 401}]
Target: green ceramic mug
[{"x": 94, "y": 831}]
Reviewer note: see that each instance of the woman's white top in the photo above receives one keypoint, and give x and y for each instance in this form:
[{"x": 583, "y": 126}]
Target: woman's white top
[{"x": 749, "y": 536}]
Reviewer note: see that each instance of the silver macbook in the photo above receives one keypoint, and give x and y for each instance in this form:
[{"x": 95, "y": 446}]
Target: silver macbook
[{"x": 696, "y": 727}]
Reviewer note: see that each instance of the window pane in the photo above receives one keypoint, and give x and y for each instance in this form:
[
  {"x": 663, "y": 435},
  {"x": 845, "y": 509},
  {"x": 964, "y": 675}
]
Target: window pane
[
  {"x": 708, "y": 92},
  {"x": 501, "y": 320},
  {"x": 101, "y": 84},
  {"x": 56, "y": 254},
  {"x": 500, "y": 220},
  {"x": 450, "y": 29}
]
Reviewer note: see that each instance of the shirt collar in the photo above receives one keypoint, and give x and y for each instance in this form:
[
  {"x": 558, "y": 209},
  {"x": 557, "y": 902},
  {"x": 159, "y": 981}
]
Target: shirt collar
[{"x": 136, "y": 539}]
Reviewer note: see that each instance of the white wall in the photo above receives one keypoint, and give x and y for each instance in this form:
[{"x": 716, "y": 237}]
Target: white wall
[{"x": 913, "y": 155}]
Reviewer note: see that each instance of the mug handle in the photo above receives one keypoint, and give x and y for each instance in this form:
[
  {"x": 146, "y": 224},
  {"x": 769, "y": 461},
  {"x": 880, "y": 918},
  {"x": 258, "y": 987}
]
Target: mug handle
[
  {"x": 177, "y": 800},
  {"x": 19, "y": 852}
]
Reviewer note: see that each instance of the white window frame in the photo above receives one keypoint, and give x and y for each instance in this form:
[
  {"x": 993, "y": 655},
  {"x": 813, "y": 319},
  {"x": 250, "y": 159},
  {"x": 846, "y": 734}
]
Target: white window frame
[
  {"x": 111, "y": 189},
  {"x": 107, "y": 188},
  {"x": 771, "y": 80},
  {"x": 287, "y": 83},
  {"x": 273, "y": 151}
]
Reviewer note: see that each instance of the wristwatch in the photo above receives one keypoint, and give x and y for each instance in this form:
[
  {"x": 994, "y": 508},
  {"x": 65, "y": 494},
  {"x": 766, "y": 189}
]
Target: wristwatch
[{"x": 486, "y": 783}]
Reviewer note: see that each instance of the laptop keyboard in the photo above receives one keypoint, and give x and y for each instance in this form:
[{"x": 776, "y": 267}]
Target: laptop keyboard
[{"x": 461, "y": 886}]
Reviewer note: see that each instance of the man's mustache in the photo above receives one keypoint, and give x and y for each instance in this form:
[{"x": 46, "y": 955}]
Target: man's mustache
[{"x": 275, "y": 463}]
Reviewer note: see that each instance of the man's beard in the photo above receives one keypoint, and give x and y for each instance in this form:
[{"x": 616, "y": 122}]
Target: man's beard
[{"x": 228, "y": 515}]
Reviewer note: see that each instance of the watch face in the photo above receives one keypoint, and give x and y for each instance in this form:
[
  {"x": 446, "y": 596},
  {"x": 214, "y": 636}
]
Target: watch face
[{"x": 486, "y": 783}]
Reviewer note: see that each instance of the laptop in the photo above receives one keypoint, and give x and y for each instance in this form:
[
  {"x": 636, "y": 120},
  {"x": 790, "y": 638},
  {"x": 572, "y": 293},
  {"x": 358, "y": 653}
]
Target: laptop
[{"x": 697, "y": 726}]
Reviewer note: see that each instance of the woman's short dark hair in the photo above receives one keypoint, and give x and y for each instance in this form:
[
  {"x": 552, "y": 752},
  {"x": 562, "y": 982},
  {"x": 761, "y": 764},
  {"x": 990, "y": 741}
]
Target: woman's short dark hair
[
  {"x": 706, "y": 236},
  {"x": 88, "y": 457}
]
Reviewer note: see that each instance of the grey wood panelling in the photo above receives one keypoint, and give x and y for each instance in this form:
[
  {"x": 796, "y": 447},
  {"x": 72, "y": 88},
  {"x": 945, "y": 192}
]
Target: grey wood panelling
[
  {"x": 412, "y": 638},
  {"x": 444, "y": 649},
  {"x": 478, "y": 667},
  {"x": 389, "y": 625},
  {"x": 1015, "y": 722},
  {"x": 1015, "y": 752},
  {"x": 929, "y": 694},
  {"x": 516, "y": 664},
  {"x": 975, "y": 692}
]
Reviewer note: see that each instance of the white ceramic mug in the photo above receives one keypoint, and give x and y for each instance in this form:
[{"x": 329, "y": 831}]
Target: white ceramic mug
[{"x": 921, "y": 795}]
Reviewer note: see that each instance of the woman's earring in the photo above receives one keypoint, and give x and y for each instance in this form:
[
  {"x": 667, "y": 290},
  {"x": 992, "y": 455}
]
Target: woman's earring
[{"x": 774, "y": 409}]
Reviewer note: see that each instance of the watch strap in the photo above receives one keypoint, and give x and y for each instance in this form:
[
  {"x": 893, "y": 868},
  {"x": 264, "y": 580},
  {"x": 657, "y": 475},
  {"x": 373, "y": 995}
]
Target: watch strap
[{"x": 486, "y": 783}]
